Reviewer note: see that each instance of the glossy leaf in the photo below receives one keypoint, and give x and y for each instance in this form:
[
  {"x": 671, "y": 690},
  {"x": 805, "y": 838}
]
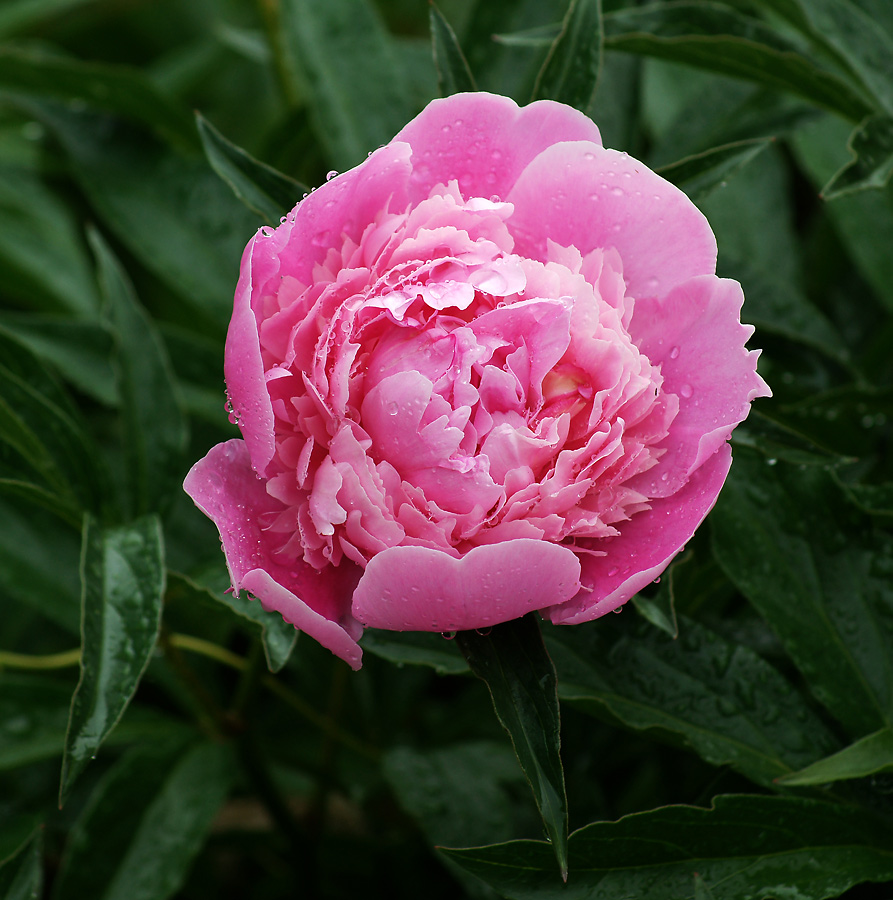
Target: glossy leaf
[
  {"x": 114, "y": 88},
  {"x": 154, "y": 425},
  {"x": 718, "y": 39},
  {"x": 743, "y": 848},
  {"x": 571, "y": 70},
  {"x": 263, "y": 189},
  {"x": 122, "y": 572},
  {"x": 872, "y": 146},
  {"x": 701, "y": 173},
  {"x": 868, "y": 756},
  {"x": 720, "y": 698},
  {"x": 145, "y": 823},
  {"x": 21, "y": 878},
  {"x": 358, "y": 100},
  {"x": 416, "y": 648},
  {"x": 453, "y": 74},
  {"x": 816, "y": 570},
  {"x": 512, "y": 660},
  {"x": 278, "y": 637}
]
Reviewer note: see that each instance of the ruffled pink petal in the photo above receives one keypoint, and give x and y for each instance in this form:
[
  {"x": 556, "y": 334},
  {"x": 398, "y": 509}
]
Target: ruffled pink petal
[
  {"x": 645, "y": 546},
  {"x": 485, "y": 141},
  {"x": 582, "y": 195},
  {"x": 418, "y": 589},
  {"x": 224, "y": 487},
  {"x": 695, "y": 335}
]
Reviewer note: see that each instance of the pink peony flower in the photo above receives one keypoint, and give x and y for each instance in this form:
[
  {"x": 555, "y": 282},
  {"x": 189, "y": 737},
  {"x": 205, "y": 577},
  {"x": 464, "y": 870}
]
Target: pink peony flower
[{"x": 490, "y": 370}]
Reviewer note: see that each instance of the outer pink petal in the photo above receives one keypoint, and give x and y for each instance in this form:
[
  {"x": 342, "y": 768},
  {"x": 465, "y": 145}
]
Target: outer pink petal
[
  {"x": 583, "y": 195},
  {"x": 646, "y": 545},
  {"x": 419, "y": 589},
  {"x": 696, "y": 337},
  {"x": 224, "y": 487},
  {"x": 485, "y": 141}
]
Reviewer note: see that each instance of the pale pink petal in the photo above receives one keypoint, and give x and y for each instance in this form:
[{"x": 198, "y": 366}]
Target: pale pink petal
[
  {"x": 695, "y": 335},
  {"x": 645, "y": 546},
  {"x": 224, "y": 487},
  {"x": 582, "y": 195},
  {"x": 484, "y": 141},
  {"x": 418, "y": 589}
]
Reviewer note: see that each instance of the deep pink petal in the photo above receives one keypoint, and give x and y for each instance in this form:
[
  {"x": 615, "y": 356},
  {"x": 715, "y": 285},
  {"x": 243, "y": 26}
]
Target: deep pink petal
[
  {"x": 417, "y": 589},
  {"x": 485, "y": 141},
  {"x": 224, "y": 487},
  {"x": 698, "y": 340},
  {"x": 582, "y": 195},
  {"x": 645, "y": 546}
]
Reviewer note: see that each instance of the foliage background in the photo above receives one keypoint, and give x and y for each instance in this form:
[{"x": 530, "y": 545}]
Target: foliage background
[{"x": 739, "y": 714}]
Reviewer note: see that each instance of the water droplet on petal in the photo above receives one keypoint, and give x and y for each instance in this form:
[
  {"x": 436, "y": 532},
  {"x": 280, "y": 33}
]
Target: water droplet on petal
[
  {"x": 686, "y": 391},
  {"x": 332, "y": 174},
  {"x": 674, "y": 353},
  {"x": 612, "y": 571}
]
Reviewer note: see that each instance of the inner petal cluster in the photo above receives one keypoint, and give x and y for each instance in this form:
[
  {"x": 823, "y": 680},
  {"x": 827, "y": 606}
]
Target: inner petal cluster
[{"x": 432, "y": 388}]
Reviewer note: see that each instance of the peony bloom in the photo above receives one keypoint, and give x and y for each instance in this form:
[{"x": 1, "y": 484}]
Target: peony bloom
[{"x": 490, "y": 370}]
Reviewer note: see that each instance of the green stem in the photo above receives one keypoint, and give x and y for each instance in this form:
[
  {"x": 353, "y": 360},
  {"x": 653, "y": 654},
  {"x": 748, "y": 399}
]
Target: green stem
[{"x": 50, "y": 661}]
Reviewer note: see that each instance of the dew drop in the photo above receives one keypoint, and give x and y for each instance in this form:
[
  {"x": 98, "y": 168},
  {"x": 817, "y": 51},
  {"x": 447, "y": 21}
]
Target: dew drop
[
  {"x": 392, "y": 408},
  {"x": 618, "y": 610},
  {"x": 612, "y": 571},
  {"x": 617, "y": 192},
  {"x": 674, "y": 353},
  {"x": 686, "y": 391},
  {"x": 616, "y": 228},
  {"x": 448, "y": 635},
  {"x": 332, "y": 174},
  {"x": 771, "y": 462}
]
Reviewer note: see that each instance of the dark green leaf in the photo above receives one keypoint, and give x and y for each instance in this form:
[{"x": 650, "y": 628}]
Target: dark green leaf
[
  {"x": 17, "y": 15},
  {"x": 22, "y": 877},
  {"x": 872, "y": 147},
  {"x": 701, "y": 173},
  {"x": 154, "y": 425},
  {"x": 172, "y": 212},
  {"x": 744, "y": 848},
  {"x": 145, "y": 823},
  {"x": 263, "y": 189},
  {"x": 278, "y": 637},
  {"x": 816, "y": 570},
  {"x": 571, "y": 70},
  {"x": 720, "y": 698},
  {"x": 872, "y": 498},
  {"x": 512, "y": 660},
  {"x": 415, "y": 648},
  {"x": 347, "y": 69},
  {"x": 122, "y": 572},
  {"x": 868, "y": 756},
  {"x": 716, "y": 38},
  {"x": 453, "y": 74},
  {"x": 42, "y": 257},
  {"x": 762, "y": 433},
  {"x": 114, "y": 88},
  {"x": 16, "y": 835}
]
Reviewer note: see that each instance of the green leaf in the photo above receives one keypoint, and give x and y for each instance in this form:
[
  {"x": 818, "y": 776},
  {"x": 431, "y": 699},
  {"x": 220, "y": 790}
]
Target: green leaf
[
  {"x": 876, "y": 499},
  {"x": 872, "y": 147},
  {"x": 263, "y": 189},
  {"x": 774, "y": 440},
  {"x": 145, "y": 823},
  {"x": 713, "y": 37},
  {"x": 720, "y": 698},
  {"x": 744, "y": 848},
  {"x": 415, "y": 648},
  {"x": 816, "y": 570},
  {"x": 453, "y": 74},
  {"x": 43, "y": 262},
  {"x": 154, "y": 425},
  {"x": 122, "y": 572},
  {"x": 16, "y": 835},
  {"x": 571, "y": 70},
  {"x": 21, "y": 878},
  {"x": 868, "y": 756},
  {"x": 346, "y": 67},
  {"x": 512, "y": 660},
  {"x": 17, "y": 15},
  {"x": 278, "y": 637},
  {"x": 172, "y": 212},
  {"x": 113, "y": 88},
  {"x": 702, "y": 173}
]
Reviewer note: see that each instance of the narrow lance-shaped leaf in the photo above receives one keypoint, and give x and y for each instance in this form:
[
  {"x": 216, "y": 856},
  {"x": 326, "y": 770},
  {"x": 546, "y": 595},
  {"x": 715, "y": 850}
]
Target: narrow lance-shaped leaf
[
  {"x": 820, "y": 574},
  {"x": 872, "y": 147},
  {"x": 155, "y": 426},
  {"x": 122, "y": 573},
  {"x": 744, "y": 848},
  {"x": 21, "y": 878},
  {"x": 702, "y": 173},
  {"x": 453, "y": 74},
  {"x": 868, "y": 756},
  {"x": 570, "y": 72},
  {"x": 513, "y": 662},
  {"x": 263, "y": 189}
]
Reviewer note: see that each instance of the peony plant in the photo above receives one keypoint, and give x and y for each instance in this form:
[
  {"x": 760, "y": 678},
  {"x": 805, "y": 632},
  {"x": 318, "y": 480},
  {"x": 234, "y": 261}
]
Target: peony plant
[{"x": 488, "y": 371}]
